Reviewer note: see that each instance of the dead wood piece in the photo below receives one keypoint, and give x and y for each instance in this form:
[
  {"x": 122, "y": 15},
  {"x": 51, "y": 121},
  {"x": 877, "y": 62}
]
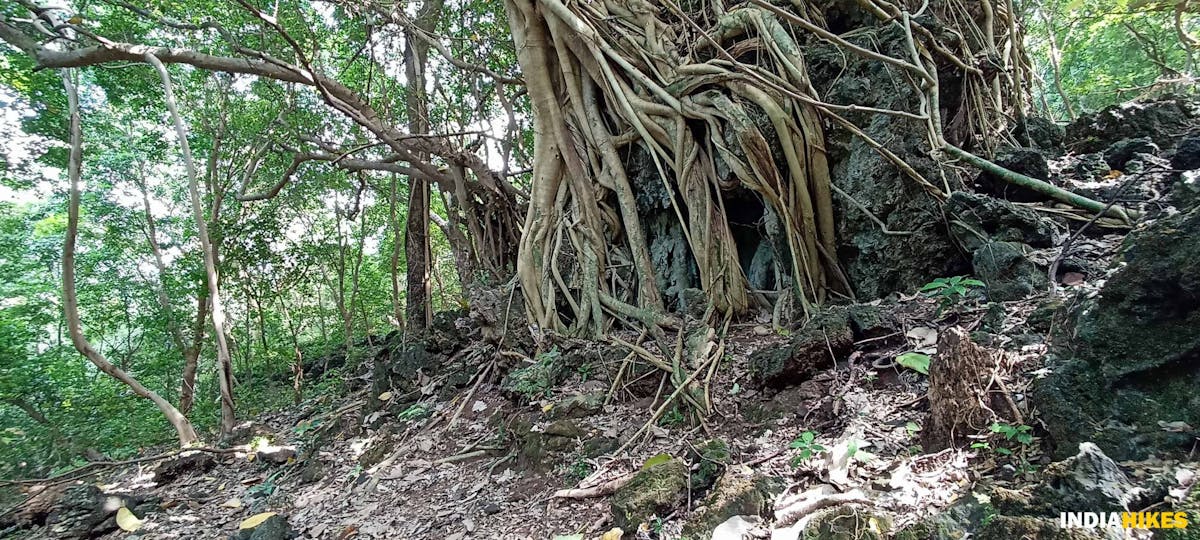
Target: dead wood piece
[{"x": 959, "y": 377}]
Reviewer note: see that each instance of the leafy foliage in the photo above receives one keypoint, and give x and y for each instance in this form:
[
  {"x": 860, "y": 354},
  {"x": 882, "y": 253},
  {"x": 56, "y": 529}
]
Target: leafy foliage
[{"x": 808, "y": 447}]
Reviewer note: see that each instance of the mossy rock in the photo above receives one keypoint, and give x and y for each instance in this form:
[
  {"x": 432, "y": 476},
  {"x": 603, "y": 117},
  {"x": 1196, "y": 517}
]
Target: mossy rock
[
  {"x": 577, "y": 406},
  {"x": 1007, "y": 271},
  {"x": 598, "y": 446},
  {"x": 654, "y": 491},
  {"x": 979, "y": 218},
  {"x": 871, "y": 322},
  {"x": 1032, "y": 528},
  {"x": 275, "y": 527},
  {"x": 847, "y": 523},
  {"x": 807, "y": 351},
  {"x": 733, "y": 495},
  {"x": 708, "y": 462},
  {"x": 536, "y": 380},
  {"x": 1131, "y": 358}
]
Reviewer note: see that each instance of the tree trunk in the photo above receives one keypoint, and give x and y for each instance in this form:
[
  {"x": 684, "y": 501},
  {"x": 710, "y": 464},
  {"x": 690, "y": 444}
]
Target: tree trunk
[
  {"x": 397, "y": 249},
  {"x": 416, "y": 238},
  {"x": 187, "y": 435},
  {"x": 191, "y": 357},
  {"x": 224, "y": 361}
]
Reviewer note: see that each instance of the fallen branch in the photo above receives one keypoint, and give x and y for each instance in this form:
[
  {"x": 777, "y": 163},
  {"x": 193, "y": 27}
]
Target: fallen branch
[
  {"x": 599, "y": 490},
  {"x": 813, "y": 500}
]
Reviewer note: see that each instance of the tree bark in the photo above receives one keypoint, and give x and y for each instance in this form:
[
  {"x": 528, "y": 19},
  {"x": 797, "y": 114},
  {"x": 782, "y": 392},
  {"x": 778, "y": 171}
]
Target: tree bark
[
  {"x": 187, "y": 434},
  {"x": 224, "y": 361},
  {"x": 416, "y": 239}
]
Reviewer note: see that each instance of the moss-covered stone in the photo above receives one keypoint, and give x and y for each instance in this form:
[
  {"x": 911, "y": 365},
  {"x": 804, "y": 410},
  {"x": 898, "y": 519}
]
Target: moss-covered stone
[
  {"x": 978, "y": 218},
  {"x": 708, "y": 462},
  {"x": 871, "y": 322},
  {"x": 847, "y": 523},
  {"x": 733, "y": 495},
  {"x": 577, "y": 406},
  {"x": 599, "y": 446},
  {"x": 654, "y": 491},
  {"x": 806, "y": 353},
  {"x": 275, "y": 527},
  {"x": 1007, "y": 271},
  {"x": 535, "y": 380},
  {"x": 1131, "y": 358}
]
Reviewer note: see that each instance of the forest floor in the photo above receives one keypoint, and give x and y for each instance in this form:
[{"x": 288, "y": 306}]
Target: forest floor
[
  {"x": 471, "y": 455},
  {"x": 422, "y": 478}
]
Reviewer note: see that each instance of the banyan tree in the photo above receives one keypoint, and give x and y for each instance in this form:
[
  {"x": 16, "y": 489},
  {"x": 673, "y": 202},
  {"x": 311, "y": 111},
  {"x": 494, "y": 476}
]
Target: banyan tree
[{"x": 683, "y": 146}]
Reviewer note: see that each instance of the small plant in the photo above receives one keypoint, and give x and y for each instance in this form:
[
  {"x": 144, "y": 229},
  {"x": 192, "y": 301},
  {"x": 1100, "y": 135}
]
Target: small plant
[
  {"x": 416, "y": 411},
  {"x": 536, "y": 380},
  {"x": 305, "y": 427},
  {"x": 951, "y": 290},
  {"x": 1022, "y": 435},
  {"x": 585, "y": 371},
  {"x": 672, "y": 418},
  {"x": 578, "y": 470},
  {"x": 807, "y": 446}
]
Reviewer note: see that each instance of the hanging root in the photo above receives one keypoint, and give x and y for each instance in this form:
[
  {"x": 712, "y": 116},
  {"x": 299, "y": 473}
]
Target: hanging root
[
  {"x": 716, "y": 108},
  {"x": 604, "y": 76}
]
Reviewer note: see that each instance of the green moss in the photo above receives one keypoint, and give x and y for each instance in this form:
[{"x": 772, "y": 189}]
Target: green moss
[
  {"x": 847, "y": 523},
  {"x": 652, "y": 492},
  {"x": 709, "y": 460},
  {"x": 733, "y": 495}
]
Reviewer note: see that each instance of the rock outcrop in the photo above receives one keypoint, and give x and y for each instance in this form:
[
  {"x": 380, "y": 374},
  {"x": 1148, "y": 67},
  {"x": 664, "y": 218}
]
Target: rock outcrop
[{"x": 1125, "y": 376}]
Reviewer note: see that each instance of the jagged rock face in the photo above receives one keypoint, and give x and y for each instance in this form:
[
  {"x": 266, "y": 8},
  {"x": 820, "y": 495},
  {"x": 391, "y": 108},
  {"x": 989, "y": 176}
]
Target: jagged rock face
[
  {"x": 875, "y": 262},
  {"x": 1118, "y": 154},
  {"x": 1132, "y": 360},
  {"x": 1187, "y": 153},
  {"x": 1041, "y": 132},
  {"x": 1007, "y": 271},
  {"x": 976, "y": 219},
  {"x": 1160, "y": 120},
  {"x": 1030, "y": 162}
]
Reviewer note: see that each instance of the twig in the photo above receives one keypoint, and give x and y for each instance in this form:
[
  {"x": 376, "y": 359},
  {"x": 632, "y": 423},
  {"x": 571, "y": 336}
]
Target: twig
[{"x": 1066, "y": 246}]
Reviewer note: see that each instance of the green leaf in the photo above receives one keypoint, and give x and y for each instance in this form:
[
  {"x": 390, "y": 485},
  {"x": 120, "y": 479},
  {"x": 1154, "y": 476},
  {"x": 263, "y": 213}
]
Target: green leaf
[
  {"x": 656, "y": 460},
  {"x": 915, "y": 361}
]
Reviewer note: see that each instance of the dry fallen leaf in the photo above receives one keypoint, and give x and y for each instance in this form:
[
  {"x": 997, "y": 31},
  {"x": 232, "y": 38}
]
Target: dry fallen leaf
[
  {"x": 614, "y": 534},
  {"x": 232, "y": 503},
  {"x": 255, "y": 520},
  {"x": 127, "y": 521},
  {"x": 923, "y": 338},
  {"x": 385, "y": 396}
]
